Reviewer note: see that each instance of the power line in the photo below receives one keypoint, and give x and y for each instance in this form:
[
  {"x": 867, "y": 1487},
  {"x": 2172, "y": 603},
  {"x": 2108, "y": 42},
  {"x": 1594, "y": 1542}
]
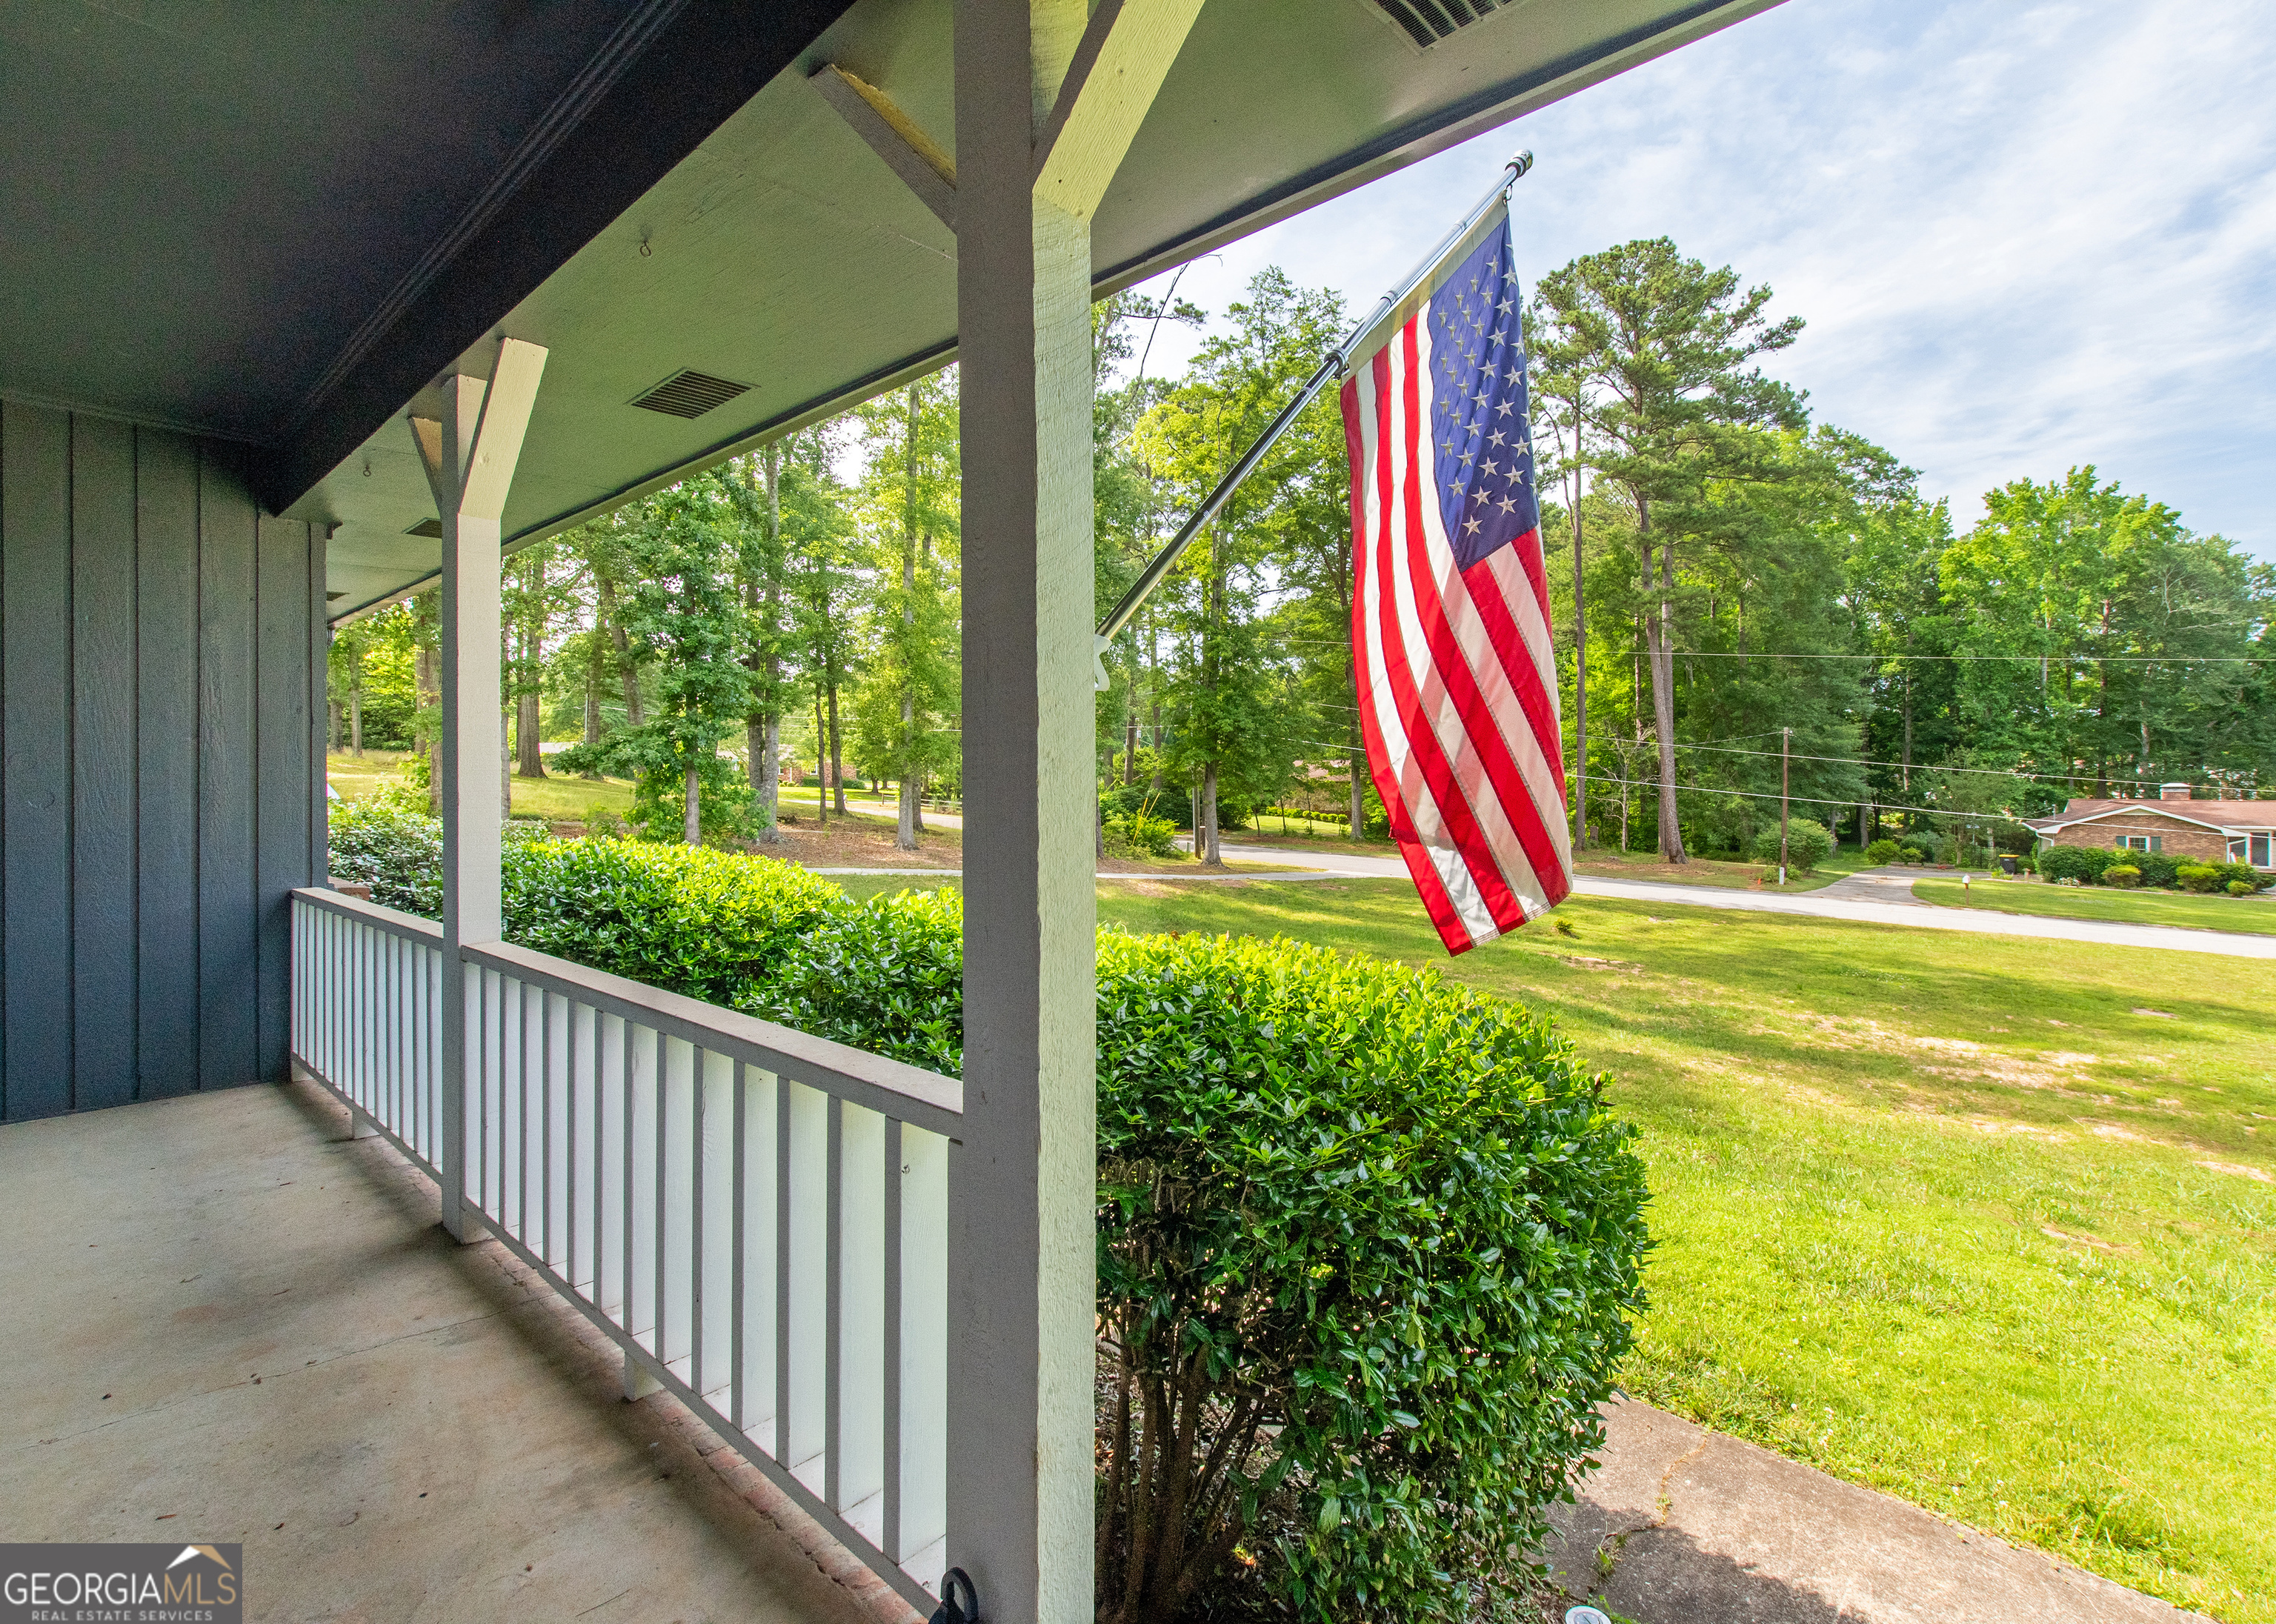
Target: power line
[
  {"x": 1879, "y": 806},
  {"x": 2055, "y": 659},
  {"x": 1989, "y": 772}
]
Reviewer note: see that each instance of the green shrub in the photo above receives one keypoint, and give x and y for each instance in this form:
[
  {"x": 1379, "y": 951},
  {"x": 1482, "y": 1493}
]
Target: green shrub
[
  {"x": 886, "y": 975},
  {"x": 2244, "y": 873},
  {"x": 1807, "y": 845},
  {"x": 397, "y": 852},
  {"x": 2158, "y": 868},
  {"x": 2200, "y": 877},
  {"x": 1140, "y": 835},
  {"x": 1375, "y": 1235},
  {"x": 2124, "y": 875},
  {"x": 2242, "y": 888},
  {"x": 711, "y": 924},
  {"x": 2065, "y": 862},
  {"x": 1882, "y": 852},
  {"x": 1360, "y": 1311},
  {"x": 1919, "y": 849}
]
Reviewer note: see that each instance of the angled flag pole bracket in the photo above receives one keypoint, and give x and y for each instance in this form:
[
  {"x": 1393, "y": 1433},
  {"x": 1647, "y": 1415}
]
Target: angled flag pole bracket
[{"x": 1332, "y": 367}]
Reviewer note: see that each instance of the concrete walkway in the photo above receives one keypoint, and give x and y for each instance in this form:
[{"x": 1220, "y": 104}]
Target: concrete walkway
[
  {"x": 230, "y": 1323},
  {"x": 1680, "y": 1525}
]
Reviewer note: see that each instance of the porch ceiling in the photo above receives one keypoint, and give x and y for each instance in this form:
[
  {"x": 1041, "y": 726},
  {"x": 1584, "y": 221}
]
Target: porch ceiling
[{"x": 281, "y": 228}]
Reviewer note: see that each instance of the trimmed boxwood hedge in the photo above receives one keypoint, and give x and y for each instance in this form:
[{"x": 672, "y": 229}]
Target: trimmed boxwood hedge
[{"x": 1369, "y": 1242}]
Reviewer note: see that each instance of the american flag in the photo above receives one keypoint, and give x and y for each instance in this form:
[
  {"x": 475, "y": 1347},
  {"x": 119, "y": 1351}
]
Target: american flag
[{"x": 1449, "y": 610}]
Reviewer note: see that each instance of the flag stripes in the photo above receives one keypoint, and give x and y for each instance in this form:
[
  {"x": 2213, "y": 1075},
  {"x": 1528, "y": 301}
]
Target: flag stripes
[{"x": 1457, "y": 679}]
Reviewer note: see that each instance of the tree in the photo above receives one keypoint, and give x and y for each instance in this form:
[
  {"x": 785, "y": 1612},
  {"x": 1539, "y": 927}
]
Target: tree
[
  {"x": 1229, "y": 687},
  {"x": 2106, "y": 637},
  {"x": 682, "y": 610},
  {"x": 907, "y": 702},
  {"x": 1655, "y": 347}
]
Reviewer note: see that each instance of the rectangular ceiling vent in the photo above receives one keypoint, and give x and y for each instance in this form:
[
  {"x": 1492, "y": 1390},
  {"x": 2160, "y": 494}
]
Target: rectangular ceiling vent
[
  {"x": 431, "y": 529},
  {"x": 1429, "y": 21},
  {"x": 689, "y": 394}
]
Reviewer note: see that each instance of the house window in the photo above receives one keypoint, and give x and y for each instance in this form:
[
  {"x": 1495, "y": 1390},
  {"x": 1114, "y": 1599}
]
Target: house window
[
  {"x": 2264, "y": 850},
  {"x": 2141, "y": 843}
]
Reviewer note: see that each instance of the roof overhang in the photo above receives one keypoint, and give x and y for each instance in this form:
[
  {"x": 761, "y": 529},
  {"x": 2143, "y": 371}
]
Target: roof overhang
[{"x": 643, "y": 188}]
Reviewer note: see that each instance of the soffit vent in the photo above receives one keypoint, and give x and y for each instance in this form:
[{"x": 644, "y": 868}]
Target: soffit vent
[
  {"x": 431, "y": 529},
  {"x": 689, "y": 394},
  {"x": 1429, "y": 21}
]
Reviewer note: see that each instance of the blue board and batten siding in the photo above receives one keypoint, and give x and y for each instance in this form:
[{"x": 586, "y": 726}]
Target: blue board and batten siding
[{"x": 162, "y": 653}]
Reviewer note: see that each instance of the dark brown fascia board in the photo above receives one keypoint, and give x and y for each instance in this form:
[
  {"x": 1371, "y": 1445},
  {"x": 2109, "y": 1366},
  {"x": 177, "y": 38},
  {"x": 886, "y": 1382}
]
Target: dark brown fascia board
[{"x": 694, "y": 71}]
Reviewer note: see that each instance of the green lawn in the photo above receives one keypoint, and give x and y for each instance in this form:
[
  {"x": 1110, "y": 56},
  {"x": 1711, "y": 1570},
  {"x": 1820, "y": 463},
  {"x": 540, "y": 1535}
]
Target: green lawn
[
  {"x": 568, "y": 798},
  {"x": 2254, "y": 914},
  {"x": 1963, "y": 1219}
]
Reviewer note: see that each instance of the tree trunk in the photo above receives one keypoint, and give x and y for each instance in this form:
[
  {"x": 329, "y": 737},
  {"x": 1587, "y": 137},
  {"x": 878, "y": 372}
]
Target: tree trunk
[
  {"x": 821, "y": 765},
  {"x": 692, "y": 824},
  {"x": 762, "y": 729},
  {"x": 596, "y": 656},
  {"x": 332, "y": 735},
  {"x": 837, "y": 756},
  {"x": 604, "y": 600},
  {"x": 1358, "y": 793},
  {"x": 528, "y": 735},
  {"x": 505, "y": 772},
  {"x": 427, "y": 675},
  {"x": 355, "y": 713},
  {"x": 1656, "y": 632},
  {"x": 1212, "y": 854}
]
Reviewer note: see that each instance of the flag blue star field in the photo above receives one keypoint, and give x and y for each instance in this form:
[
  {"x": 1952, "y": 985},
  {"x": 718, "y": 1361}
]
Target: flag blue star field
[{"x": 1450, "y": 612}]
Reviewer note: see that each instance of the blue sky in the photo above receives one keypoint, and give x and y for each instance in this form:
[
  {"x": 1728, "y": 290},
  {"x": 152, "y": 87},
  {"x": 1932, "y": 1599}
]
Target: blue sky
[{"x": 2022, "y": 236}]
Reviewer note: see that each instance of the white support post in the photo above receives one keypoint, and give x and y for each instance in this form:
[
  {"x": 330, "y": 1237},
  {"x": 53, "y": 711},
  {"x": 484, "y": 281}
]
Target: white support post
[
  {"x": 1049, "y": 94},
  {"x": 470, "y": 453}
]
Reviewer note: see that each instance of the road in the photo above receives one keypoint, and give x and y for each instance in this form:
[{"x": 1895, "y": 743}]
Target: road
[
  {"x": 1817, "y": 905},
  {"x": 1844, "y": 903}
]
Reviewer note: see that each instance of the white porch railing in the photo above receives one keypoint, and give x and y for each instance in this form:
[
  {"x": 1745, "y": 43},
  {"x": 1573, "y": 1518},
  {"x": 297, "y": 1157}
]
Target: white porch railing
[{"x": 757, "y": 1216}]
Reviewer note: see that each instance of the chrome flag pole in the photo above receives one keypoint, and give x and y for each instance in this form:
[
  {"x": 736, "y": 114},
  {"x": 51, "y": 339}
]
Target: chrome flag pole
[{"x": 1332, "y": 367}]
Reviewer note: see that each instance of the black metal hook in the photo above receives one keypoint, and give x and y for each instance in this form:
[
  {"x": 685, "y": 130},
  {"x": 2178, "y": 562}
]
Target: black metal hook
[{"x": 951, "y": 1611}]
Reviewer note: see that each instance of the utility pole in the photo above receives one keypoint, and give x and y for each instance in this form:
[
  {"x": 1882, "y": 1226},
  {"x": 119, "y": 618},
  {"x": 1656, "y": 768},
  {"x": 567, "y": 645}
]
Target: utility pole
[
  {"x": 1580, "y": 652},
  {"x": 1786, "y": 767}
]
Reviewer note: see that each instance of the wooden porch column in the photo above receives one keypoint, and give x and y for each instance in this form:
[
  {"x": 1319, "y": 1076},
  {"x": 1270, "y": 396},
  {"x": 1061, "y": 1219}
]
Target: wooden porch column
[
  {"x": 470, "y": 453},
  {"x": 1049, "y": 94}
]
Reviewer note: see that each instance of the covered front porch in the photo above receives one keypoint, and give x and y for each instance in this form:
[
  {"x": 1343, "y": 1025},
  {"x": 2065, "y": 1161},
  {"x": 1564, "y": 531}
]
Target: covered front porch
[
  {"x": 235, "y": 1320},
  {"x": 283, "y": 367}
]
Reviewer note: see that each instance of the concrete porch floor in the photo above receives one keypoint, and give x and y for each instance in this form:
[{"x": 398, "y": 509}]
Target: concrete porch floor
[{"x": 228, "y": 1322}]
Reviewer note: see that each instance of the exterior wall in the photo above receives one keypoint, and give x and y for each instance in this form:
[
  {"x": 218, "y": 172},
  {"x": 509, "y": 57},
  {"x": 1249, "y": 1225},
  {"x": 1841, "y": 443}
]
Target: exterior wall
[
  {"x": 2181, "y": 839},
  {"x": 161, "y": 725}
]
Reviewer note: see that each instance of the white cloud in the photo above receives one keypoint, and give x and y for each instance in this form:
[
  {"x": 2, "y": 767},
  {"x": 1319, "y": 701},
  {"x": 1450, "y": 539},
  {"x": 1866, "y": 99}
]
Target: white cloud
[{"x": 2023, "y": 237}]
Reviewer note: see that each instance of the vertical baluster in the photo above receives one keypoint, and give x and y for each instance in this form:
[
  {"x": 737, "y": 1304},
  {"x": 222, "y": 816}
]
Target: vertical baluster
[
  {"x": 695, "y": 1090},
  {"x": 395, "y": 946},
  {"x": 833, "y": 1384},
  {"x": 481, "y": 1081},
  {"x": 571, "y": 1012},
  {"x": 625, "y": 1183},
  {"x": 922, "y": 1377},
  {"x": 735, "y": 1282},
  {"x": 890, "y": 1446},
  {"x": 662, "y": 1272},
  {"x": 782, "y": 1451}
]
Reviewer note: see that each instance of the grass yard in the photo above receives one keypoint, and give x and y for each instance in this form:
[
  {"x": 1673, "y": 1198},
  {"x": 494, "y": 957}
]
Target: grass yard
[
  {"x": 1987, "y": 1223},
  {"x": 567, "y": 798},
  {"x": 2253, "y": 914}
]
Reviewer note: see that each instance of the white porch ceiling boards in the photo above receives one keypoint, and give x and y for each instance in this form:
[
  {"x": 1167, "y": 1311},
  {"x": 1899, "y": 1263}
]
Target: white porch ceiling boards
[{"x": 783, "y": 253}]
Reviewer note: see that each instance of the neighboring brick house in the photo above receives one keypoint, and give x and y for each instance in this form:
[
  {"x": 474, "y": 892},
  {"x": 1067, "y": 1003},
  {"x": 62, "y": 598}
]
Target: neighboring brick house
[{"x": 2204, "y": 830}]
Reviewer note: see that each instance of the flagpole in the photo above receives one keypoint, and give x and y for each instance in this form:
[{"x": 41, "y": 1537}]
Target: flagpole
[{"x": 1332, "y": 367}]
